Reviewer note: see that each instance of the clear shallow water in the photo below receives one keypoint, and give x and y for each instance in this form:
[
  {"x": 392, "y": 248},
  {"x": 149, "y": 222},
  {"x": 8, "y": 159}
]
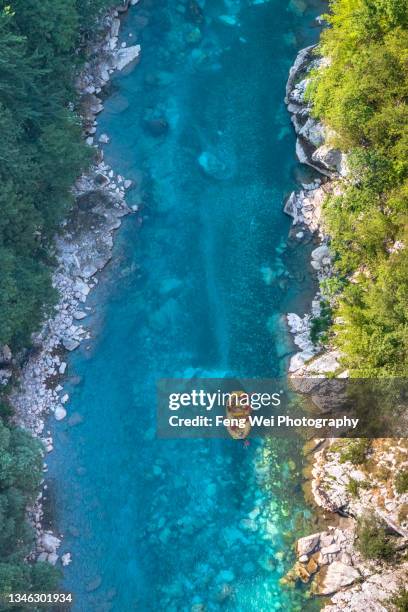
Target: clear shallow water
[{"x": 200, "y": 287}]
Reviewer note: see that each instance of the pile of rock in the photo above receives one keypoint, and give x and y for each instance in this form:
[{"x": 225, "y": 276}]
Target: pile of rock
[
  {"x": 48, "y": 545},
  {"x": 104, "y": 57},
  {"x": 329, "y": 558},
  {"x": 305, "y": 206},
  {"x": 81, "y": 253},
  {"x": 300, "y": 328},
  {"x": 330, "y": 562}
]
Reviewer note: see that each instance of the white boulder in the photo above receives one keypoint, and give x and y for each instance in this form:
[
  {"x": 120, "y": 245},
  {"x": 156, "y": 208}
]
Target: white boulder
[
  {"x": 60, "y": 413},
  {"x": 127, "y": 55}
]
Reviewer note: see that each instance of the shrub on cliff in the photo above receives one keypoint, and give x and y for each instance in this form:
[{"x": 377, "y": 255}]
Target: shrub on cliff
[
  {"x": 355, "y": 451},
  {"x": 399, "y": 603},
  {"x": 401, "y": 482},
  {"x": 373, "y": 541}
]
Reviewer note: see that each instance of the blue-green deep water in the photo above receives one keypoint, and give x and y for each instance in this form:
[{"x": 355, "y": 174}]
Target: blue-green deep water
[{"x": 199, "y": 283}]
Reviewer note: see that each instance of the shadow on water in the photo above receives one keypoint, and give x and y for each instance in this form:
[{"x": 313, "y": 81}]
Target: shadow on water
[{"x": 200, "y": 286}]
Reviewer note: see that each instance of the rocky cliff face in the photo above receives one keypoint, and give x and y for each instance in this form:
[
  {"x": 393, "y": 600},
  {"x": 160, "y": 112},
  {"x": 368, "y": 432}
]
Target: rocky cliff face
[{"x": 329, "y": 560}]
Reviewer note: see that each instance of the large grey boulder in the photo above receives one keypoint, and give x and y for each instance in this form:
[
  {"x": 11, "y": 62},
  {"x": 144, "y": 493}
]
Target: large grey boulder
[
  {"x": 313, "y": 131},
  {"x": 321, "y": 253},
  {"x": 126, "y": 55},
  {"x": 331, "y": 159},
  {"x": 308, "y": 544},
  {"x": 337, "y": 576},
  {"x": 49, "y": 543},
  {"x": 300, "y": 65}
]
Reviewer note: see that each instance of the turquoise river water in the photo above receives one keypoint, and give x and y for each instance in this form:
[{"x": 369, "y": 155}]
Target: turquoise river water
[{"x": 201, "y": 278}]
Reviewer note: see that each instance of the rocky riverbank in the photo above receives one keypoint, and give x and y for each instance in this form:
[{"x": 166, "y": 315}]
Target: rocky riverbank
[
  {"x": 329, "y": 560},
  {"x": 82, "y": 249}
]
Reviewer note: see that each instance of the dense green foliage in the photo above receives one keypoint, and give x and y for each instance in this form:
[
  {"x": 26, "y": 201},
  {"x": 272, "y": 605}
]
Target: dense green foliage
[
  {"x": 41, "y": 149},
  {"x": 373, "y": 541},
  {"x": 399, "y": 603},
  {"x": 41, "y": 154},
  {"x": 362, "y": 95},
  {"x": 401, "y": 482},
  {"x": 20, "y": 476}
]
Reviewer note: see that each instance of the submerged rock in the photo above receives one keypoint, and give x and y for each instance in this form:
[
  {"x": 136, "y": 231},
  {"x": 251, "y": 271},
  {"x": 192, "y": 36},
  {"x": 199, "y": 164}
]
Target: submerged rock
[
  {"x": 156, "y": 127},
  {"x": 194, "y": 12},
  {"x": 94, "y": 584},
  {"x": 230, "y": 20},
  {"x": 214, "y": 166},
  {"x": 70, "y": 344}
]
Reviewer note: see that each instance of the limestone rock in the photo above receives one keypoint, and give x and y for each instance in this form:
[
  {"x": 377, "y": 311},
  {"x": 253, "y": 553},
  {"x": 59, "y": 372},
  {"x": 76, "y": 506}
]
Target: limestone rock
[
  {"x": 62, "y": 367},
  {"x": 127, "y": 55},
  {"x": 49, "y": 543},
  {"x": 320, "y": 253},
  {"x": 70, "y": 344},
  {"x": 313, "y": 131},
  {"x": 335, "y": 577},
  {"x": 66, "y": 559},
  {"x": 60, "y": 413},
  {"x": 79, "y": 314},
  {"x": 322, "y": 364},
  {"x": 308, "y": 544},
  {"x": 301, "y": 152},
  {"x": 52, "y": 558},
  {"x": 300, "y": 65},
  {"x": 331, "y": 159},
  {"x": 290, "y": 207}
]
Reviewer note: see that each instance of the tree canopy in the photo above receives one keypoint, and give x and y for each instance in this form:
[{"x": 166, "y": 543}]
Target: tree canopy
[
  {"x": 41, "y": 154},
  {"x": 362, "y": 95}
]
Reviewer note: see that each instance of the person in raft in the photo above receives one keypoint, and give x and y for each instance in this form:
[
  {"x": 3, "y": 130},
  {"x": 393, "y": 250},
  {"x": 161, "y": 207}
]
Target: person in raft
[{"x": 238, "y": 410}]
